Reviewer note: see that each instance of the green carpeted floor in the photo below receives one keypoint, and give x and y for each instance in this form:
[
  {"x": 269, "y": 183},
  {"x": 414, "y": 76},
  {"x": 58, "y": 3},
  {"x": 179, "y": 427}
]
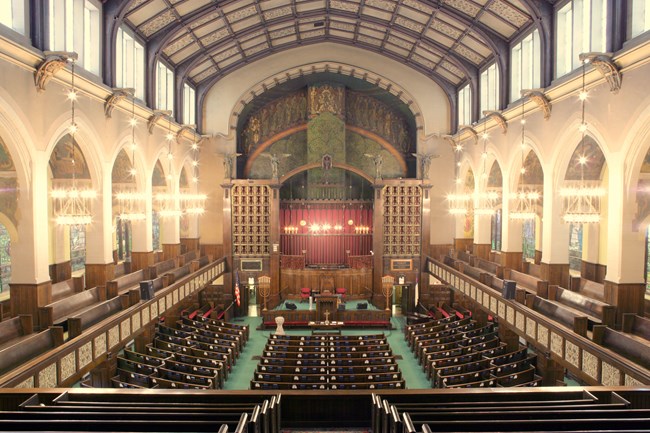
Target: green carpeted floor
[{"x": 242, "y": 372}]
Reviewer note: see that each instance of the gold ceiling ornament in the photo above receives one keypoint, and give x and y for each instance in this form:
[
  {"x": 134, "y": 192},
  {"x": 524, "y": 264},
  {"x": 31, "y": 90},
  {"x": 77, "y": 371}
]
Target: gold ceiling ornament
[
  {"x": 498, "y": 118},
  {"x": 604, "y": 64},
  {"x": 115, "y": 98},
  {"x": 72, "y": 204},
  {"x": 54, "y": 61},
  {"x": 538, "y": 97},
  {"x": 582, "y": 198}
]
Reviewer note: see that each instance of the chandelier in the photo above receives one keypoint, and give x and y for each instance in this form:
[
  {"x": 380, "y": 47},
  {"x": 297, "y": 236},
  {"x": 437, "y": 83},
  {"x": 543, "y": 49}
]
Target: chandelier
[
  {"x": 581, "y": 199},
  {"x": 485, "y": 200},
  {"x": 131, "y": 203},
  {"x": 72, "y": 204},
  {"x": 458, "y": 203},
  {"x": 524, "y": 201}
]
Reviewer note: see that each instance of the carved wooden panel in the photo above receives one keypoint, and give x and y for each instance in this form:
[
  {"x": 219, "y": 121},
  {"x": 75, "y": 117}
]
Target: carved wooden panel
[
  {"x": 251, "y": 228},
  {"x": 402, "y": 220}
]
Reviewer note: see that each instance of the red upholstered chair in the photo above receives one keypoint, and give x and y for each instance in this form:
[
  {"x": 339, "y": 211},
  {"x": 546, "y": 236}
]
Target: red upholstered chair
[
  {"x": 341, "y": 291},
  {"x": 305, "y": 292}
]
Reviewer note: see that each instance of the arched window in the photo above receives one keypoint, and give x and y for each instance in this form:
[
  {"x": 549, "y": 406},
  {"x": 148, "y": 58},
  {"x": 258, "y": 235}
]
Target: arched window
[
  {"x": 525, "y": 65},
  {"x": 465, "y": 106},
  {"x": 189, "y": 105},
  {"x": 129, "y": 58},
  {"x": 165, "y": 87},
  {"x": 490, "y": 88},
  {"x": 5, "y": 259},
  {"x": 638, "y": 17},
  {"x": 12, "y": 15}
]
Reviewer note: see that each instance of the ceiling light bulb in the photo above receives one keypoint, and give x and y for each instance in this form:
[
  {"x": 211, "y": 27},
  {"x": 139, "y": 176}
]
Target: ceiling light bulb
[
  {"x": 72, "y": 95},
  {"x": 134, "y": 146},
  {"x": 169, "y": 136},
  {"x": 195, "y": 179},
  {"x": 523, "y": 121},
  {"x": 195, "y": 163},
  {"x": 484, "y": 155},
  {"x": 73, "y": 128},
  {"x": 485, "y": 136},
  {"x": 523, "y": 170},
  {"x": 169, "y": 177},
  {"x": 195, "y": 146},
  {"x": 133, "y": 172},
  {"x": 583, "y": 95},
  {"x": 170, "y": 155},
  {"x": 523, "y": 146},
  {"x": 582, "y": 160},
  {"x": 459, "y": 147},
  {"x": 582, "y": 127},
  {"x": 458, "y": 181}
]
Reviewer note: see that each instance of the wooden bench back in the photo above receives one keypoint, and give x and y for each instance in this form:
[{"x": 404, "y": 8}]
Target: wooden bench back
[
  {"x": 29, "y": 348},
  {"x": 532, "y": 269},
  {"x": 16, "y": 327},
  {"x": 121, "y": 269},
  {"x": 56, "y": 311},
  {"x": 162, "y": 267},
  {"x": 526, "y": 281},
  {"x": 636, "y": 325},
  {"x": 117, "y": 285},
  {"x": 629, "y": 347},
  {"x": 605, "y": 312},
  {"x": 184, "y": 259},
  {"x": 101, "y": 311},
  {"x": 176, "y": 274},
  {"x": 463, "y": 256},
  {"x": 66, "y": 288},
  {"x": 491, "y": 267},
  {"x": 197, "y": 264}
]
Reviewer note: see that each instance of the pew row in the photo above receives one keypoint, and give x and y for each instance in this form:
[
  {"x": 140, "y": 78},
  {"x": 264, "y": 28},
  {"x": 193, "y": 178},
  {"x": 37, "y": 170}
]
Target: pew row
[{"x": 27, "y": 348}]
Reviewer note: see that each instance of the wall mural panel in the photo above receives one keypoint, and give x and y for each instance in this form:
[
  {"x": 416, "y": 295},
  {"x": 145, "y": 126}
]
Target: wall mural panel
[
  {"x": 62, "y": 158},
  {"x": 122, "y": 169},
  {"x": 8, "y": 185},
  {"x": 158, "y": 176}
]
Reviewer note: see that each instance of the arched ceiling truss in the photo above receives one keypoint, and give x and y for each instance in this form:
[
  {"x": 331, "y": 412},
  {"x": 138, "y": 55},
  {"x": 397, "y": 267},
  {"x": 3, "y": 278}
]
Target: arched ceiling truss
[{"x": 449, "y": 41}]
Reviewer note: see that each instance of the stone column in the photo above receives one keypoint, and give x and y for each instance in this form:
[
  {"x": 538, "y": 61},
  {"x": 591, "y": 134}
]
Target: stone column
[
  {"x": 142, "y": 236},
  {"x": 555, "y": 237},
  {"x": 511, "y": 231},
  {"x": 100, "y": 267}
]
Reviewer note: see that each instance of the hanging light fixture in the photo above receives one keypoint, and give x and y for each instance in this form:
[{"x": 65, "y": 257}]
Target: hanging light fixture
[
  {"x": 458, "y": 203},
  {"x": 131, "y": 203},
  {"x": 582, "y": 198},
  {"x": 72, "y": 204},
  {"x": 524, "y": 200},
  {"x": 485, "y": 200},
  {"x": 168, "y": 203},
  {"x": 194, "y": 204}
]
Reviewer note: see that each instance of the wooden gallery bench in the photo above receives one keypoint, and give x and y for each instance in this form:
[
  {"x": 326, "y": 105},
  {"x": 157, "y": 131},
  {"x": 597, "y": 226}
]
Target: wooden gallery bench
[
  {"x": 575, "y": 320},
  {"x": 97, "y": 313},
  {"x": 636, "y": 325},
  {"x": 489, "y": 267},
  {"x": 588, "y": 288},
  {"x": 175, "y": 274},
  {"x": 630, "y": 346},
  {"x": 159, "y": 269},
  {"x": 184, "y": 259},
  {"x": 66, "y": 288},
  {"x": 599, "y": 310},
  {"x": 126, "y": 282},
  {"x": 59, "y": 311},
  {"x": 25, "y": 349},
  {"x": 528, "y": 282},
  {"x": 15, "y": 329}
]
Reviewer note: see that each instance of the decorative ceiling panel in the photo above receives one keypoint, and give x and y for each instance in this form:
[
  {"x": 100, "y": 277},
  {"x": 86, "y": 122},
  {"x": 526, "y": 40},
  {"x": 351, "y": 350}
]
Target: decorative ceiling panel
[{"x": 435, "y": 37}]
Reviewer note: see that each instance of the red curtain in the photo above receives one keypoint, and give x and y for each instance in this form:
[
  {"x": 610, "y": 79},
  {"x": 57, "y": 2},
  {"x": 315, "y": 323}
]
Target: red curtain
[{"x": 331, "y": 246}]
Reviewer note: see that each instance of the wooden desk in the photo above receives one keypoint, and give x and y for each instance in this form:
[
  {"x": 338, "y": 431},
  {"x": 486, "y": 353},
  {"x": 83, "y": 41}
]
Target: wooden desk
[{"x": 325, "y": 327}]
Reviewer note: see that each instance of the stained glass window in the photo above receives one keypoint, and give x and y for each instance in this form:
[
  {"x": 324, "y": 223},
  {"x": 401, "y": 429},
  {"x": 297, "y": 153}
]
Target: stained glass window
[
  {"x": 77, "y": 247},
  {"x": 575, "y": 247},
  {"x": 155, "y": 227},
  {"x": 5, "y": 259},
  {"x": 528, "y": 237},
  {"x": 496, "y": 231},
  {"x": 123, "y": 238}
]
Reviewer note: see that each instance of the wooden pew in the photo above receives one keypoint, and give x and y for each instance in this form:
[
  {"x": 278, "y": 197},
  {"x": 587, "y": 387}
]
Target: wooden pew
[
  {"x": 121, "y": 269},
  {"x": 66, "y": 288},
  {"x": 577, "y": 321},
  {"x": 636, "y": 325},
  {"x": 604, "y": 312},
  {"x": 634, "y": 348},
  {"x": 588, "y": 288},
  {"x": 30, "y": 347},
  {"x": 532, "y": 269},
  {"x": 59, "y": 311},
  {"x": 14, "y": 329},
  {"x": 186, "y": 258},
  {"x": 489, "y": 267},
  {"x": 160, "y": 268},
  {"x": 95, "y": 314},
  {"x": 529, "y": 282},
  {"x": 175, "y": 274},
  {"x": 126, "y": 282}
]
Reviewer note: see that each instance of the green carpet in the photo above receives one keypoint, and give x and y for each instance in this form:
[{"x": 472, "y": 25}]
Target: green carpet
[{"x": 242, "y": 373}]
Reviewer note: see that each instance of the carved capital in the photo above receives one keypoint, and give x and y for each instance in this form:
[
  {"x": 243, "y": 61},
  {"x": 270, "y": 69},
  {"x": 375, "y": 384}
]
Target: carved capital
[
  {"x": 538, "y": 97},
  {"x": 179, "y": 134},
  {"x": 155, "y": 117},
  {"x": 498, "y": 118},
  {"x": 605, "y": 65},
  {"x": 117, "y": 96},
  {"x": 466, "y": 128},
  {"x": 54, "y": 61}
]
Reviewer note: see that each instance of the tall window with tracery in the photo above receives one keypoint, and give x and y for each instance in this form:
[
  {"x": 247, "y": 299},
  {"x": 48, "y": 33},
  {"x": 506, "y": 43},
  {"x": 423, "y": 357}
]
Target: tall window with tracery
[
  {"x": 490, "y": 88},
  {"x": 129, "y": 62},
  {"x": 525, "y": 65},
  {"x": 465, "y": 105}
]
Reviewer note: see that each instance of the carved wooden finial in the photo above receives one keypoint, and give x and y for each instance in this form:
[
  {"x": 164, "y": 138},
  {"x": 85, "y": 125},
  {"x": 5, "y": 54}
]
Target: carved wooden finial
[
  {"x": 498, "y": 118},
  {"x": 54, "y": 61},
  {"x": 605, "y": 65},
  {"x": 467, "y": 128},
  {"x": 155, "y": 117},
  {"x": 538, "y": 97},
  {"x": 117, "y": 96}
]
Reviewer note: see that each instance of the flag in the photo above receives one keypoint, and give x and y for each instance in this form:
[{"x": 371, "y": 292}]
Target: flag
[{"x": 237, "y": 294}]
